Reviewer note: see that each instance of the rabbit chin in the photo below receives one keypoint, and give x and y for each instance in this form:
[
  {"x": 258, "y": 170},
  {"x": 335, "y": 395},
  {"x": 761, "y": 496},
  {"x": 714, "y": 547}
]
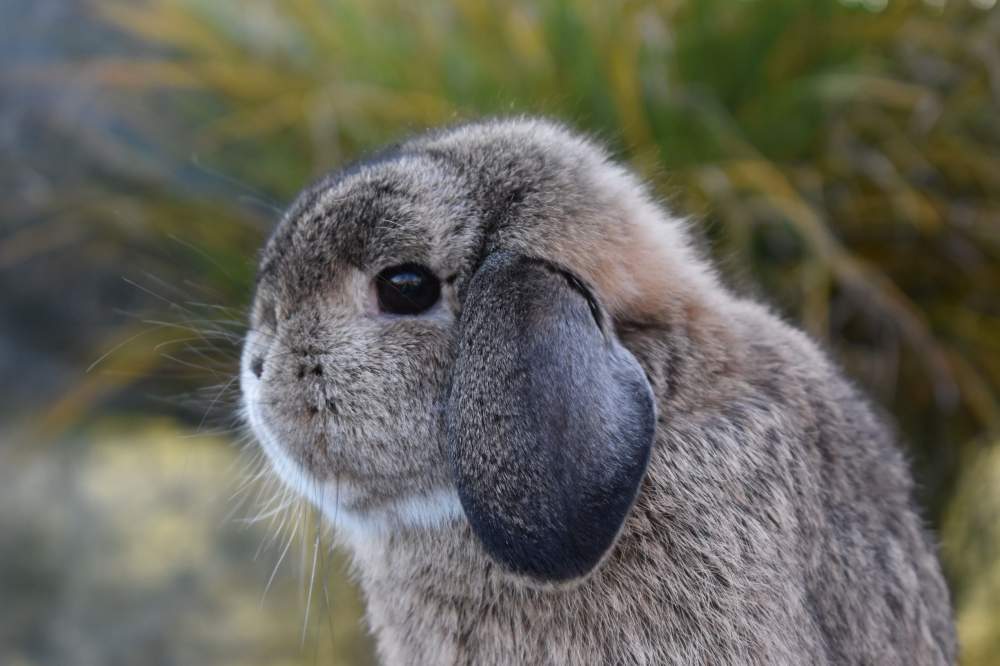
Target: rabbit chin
[{"x": 337, "y": 498}]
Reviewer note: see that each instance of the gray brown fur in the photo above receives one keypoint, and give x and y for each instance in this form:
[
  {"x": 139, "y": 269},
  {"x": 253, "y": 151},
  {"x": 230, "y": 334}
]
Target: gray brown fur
[{"x": 774, "y": 525}]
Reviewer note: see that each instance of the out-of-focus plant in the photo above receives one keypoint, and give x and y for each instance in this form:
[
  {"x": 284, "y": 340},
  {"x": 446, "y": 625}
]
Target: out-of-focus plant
[
  {"x": 971, "y": 546},
  {"x": 842, "y": 158}
]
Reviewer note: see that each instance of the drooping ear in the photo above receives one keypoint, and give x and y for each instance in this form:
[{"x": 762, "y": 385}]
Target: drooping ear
[{"x": 550, "y": 419}]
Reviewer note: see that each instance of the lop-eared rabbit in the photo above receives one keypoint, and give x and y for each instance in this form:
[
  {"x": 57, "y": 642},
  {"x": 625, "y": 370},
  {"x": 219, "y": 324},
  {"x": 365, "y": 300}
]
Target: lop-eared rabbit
[{"x": 547, "y": 434}]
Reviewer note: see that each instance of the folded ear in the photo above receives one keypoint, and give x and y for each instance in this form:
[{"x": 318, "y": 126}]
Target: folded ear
[{"x": 550, "y": 419}]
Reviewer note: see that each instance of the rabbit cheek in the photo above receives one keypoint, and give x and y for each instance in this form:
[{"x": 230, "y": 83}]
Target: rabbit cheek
[{"x": 358, "y": 409}]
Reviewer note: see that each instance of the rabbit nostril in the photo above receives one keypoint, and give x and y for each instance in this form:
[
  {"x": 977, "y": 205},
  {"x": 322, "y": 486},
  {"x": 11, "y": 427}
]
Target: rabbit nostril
[
  {"x": 318, "y": 371},
  {"x": 331, "y": 405},
  {"x": 302, "y": 372},
  {"x": 312, "y": 409},
  {"x": 257, "y": 366}
]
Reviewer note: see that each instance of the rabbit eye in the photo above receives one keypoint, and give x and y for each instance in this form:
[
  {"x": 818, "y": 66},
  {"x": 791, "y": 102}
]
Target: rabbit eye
[{"x": 408, "y": 289}]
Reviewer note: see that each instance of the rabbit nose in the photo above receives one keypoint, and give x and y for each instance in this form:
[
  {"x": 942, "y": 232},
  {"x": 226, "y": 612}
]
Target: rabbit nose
[
  {"x": 306, "y": 362},
  {"x": 310, "y": 368}
]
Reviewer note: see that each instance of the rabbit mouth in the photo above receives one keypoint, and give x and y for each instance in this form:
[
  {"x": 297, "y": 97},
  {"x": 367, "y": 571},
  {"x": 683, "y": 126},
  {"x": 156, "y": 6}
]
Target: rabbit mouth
[
  {"x": 350, "y": 494},
  {"x": 360, "y": 506}
]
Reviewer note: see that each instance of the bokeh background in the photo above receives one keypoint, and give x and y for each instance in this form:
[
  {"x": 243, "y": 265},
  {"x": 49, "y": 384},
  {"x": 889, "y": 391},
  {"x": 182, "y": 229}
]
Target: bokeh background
[{"x": 840, "y": 159}]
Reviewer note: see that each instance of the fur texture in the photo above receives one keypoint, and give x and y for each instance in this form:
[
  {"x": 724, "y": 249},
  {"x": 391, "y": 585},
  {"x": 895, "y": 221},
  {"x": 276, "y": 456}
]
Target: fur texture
[{"x": 773, "y": 525}]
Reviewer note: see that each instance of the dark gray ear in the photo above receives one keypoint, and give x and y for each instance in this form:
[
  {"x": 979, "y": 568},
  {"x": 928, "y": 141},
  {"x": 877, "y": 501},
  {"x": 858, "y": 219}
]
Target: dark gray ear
[{"x": 550, "y": 419}]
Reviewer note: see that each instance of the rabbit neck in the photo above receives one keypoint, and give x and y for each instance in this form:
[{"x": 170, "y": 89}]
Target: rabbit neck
[{"x": 422, "y": 590}]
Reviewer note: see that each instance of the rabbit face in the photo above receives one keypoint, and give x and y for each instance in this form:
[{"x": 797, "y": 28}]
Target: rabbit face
[
  {"x": 433, "y": 338},
  {"x": 345, "y": 393}
]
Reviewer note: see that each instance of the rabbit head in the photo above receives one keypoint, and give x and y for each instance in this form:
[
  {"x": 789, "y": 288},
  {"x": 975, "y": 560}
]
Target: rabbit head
[{"x": 434, "y": 339}]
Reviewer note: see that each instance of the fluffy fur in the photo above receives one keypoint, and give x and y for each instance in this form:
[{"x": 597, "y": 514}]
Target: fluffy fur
[{"x": 774, "y": 524}]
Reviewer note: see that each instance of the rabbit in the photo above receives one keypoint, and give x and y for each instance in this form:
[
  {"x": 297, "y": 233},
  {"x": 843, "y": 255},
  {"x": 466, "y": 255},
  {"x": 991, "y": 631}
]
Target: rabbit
[{"x": 546, "y": 432}]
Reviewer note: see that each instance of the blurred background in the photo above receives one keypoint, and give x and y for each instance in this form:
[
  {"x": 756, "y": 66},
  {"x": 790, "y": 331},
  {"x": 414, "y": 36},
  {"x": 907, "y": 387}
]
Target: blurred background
[{"x": 840, "y": 159}]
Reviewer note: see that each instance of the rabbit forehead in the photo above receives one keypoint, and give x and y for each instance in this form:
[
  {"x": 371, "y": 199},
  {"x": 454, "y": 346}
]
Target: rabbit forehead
[
  {"x": 444, "y": 199},
  {"x": 391, "y": 211}
]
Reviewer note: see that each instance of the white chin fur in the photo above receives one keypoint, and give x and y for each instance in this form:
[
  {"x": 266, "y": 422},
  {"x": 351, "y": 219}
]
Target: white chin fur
[
  {"x": 418, "y": 511},
  {"x": 426, "y": 511}
]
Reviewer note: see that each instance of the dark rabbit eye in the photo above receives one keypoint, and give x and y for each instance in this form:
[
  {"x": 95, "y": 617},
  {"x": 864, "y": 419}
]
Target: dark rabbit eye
[{"x": 407, "y": 290}]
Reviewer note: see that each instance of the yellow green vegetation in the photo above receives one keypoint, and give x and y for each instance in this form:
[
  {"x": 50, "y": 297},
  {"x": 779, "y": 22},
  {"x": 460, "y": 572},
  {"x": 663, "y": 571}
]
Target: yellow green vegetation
[{"x": 133, "y": 549}]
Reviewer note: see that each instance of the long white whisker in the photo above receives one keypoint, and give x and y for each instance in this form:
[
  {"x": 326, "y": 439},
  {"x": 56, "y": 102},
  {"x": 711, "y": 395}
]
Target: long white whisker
[
  {"x": 278, "y": 564},
  {"x": 215, "y": 400},
  {"x": 120, "y": 345},
  {"x": 312, "y": 583},
  {"x": 264, "y": 516}
]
